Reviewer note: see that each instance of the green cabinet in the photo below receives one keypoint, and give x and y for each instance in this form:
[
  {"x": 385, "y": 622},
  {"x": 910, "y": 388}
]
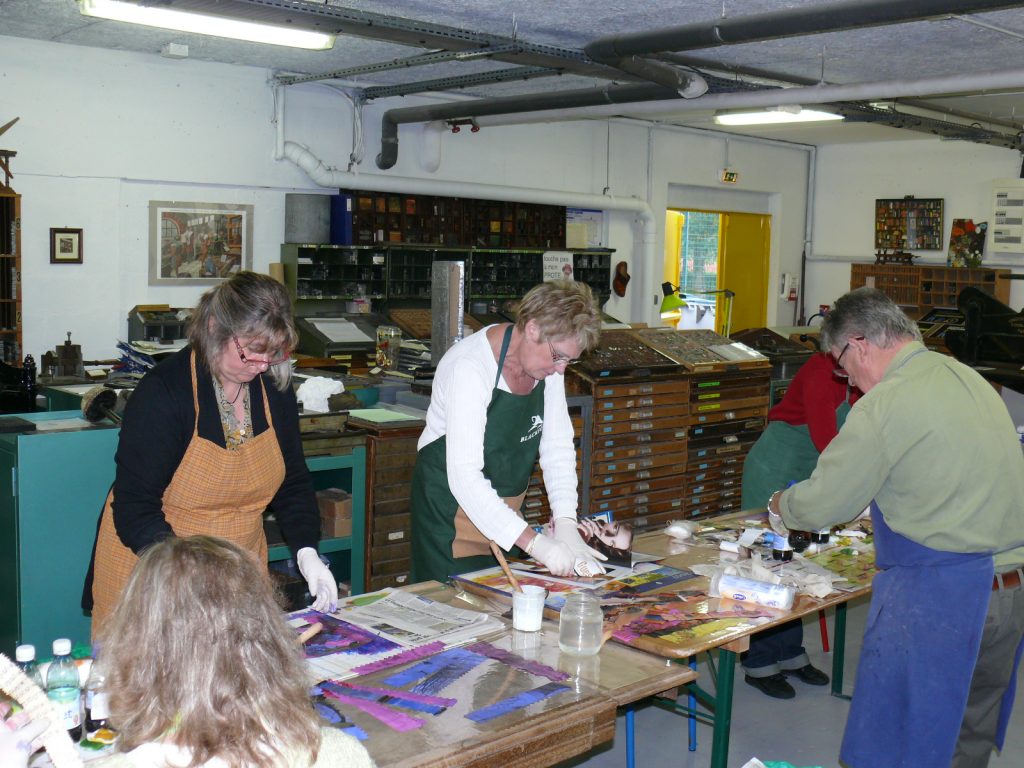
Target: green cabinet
[
  {"x": 52, "y": 486},
  {"x": 53, "y": 483}
]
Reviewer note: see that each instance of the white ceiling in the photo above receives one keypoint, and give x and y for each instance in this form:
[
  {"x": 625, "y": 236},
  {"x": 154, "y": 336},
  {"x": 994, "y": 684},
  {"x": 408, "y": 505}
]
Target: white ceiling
[{"x": 963, "y": 44}]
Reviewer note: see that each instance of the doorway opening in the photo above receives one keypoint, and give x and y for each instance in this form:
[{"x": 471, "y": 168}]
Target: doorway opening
[{"x": 709, "y": 251}]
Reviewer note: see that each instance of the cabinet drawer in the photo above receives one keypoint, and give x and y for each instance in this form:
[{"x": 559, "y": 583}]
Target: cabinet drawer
[
  {"x": 384, "y": 538},
  {"x": 599, "y": 480},
  {"x": 392, "y": 523},
  {"x": 675, "y": 386},
  {"x": 755, "y": 425},
  {"x": 728, "y": 413},
  {"x": 382, "y": 582},
  {"x": 396, "y": 507},
  {"x": 644, "y": 412},
  {"x": 389, "y": 461},
  {"x": 616, "y": 504},
  {"x": 665, "y": 438},
  {"x": 640, "y": 401},
  {"x": 644, "y": 426},
  {"x": 675, "y": 459},
  {"x": 400, "y": 475},
  {"x": 731, "y": 404},
  {"x": 393, "y": 551},
  {"x": 640, "y": 486}
]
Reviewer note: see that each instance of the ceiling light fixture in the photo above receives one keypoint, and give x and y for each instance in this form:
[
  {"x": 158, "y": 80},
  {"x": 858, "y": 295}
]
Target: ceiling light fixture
[
  {"x": 205, "y": 24},
  {"x": 775, "y": 116}
]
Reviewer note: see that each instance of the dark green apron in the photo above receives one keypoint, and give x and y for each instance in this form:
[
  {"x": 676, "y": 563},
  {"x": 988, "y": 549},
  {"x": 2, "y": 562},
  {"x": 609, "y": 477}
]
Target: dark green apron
[
  {"x": 511, "y": 444},
  {"x": 782, "y": 454}
]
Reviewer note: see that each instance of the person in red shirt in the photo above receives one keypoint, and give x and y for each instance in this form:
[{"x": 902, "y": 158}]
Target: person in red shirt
[{"x": 799, "y": 427}]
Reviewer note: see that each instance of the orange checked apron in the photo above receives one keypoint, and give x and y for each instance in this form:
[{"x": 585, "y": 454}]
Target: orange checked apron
[{"x": 214, "y": 491}]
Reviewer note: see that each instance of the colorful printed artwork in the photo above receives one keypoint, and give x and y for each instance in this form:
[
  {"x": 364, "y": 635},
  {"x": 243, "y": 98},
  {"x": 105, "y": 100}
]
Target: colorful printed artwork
[
  {"x": 966, "y": 243},
  {"x": 854, "y": 565},
  {"x": 339, "y": 636},
  {"x": 640, "y": 583},
  {"x": 681, "y": 618}
]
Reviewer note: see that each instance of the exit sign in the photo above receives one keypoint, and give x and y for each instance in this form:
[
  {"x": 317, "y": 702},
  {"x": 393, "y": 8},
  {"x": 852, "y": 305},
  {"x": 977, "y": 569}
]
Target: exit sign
[{"x": 730, "y": 177}]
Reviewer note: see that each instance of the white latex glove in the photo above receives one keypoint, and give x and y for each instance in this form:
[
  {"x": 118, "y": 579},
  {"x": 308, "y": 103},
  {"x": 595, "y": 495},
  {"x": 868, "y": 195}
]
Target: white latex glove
[
  {"x": 322, "y": 584},
  {"x": 554, "y": 554},
  {"x": 567, "y": 533}
]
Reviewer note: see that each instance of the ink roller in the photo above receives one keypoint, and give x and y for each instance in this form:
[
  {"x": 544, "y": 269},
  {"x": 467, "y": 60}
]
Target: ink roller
[{"x": 100, "y": 403}]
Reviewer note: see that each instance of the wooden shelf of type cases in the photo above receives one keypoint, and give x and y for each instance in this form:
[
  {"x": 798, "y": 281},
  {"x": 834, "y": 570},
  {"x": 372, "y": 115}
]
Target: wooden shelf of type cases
[
  {"x": 909, "y": 224},
  {"x": 921, "y": 287},
  {"x": 10, "y": 275}
]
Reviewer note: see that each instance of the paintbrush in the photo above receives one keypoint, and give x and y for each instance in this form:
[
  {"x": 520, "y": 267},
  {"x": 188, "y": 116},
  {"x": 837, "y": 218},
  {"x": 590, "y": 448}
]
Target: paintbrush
[
  {"x": 504, "y": 567},
  {"x": 311, "y": 632}
]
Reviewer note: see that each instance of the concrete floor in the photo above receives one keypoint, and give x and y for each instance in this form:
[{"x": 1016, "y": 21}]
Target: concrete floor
[{"x": 805, "y": 731}]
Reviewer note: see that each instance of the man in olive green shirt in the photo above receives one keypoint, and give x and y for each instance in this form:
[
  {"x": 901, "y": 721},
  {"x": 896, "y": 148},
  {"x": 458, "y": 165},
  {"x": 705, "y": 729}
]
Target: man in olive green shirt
[{"x": 932, "y": 448}]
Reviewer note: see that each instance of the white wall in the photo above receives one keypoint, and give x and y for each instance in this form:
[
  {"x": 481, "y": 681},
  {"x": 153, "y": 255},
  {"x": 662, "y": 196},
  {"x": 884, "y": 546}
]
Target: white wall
[
  {"x": 850, "y": 177},
  {"x": 102, "y": 133}
]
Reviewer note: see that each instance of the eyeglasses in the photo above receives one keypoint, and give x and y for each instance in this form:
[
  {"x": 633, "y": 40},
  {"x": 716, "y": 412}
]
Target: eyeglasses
[
  {"x": 559, "y": 359},
  {"x": 840, "y": 371},
  {"x": 253, "y": 361}
]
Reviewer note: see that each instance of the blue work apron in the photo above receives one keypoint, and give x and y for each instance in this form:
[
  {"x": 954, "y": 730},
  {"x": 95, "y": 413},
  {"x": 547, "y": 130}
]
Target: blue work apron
[{"x": 920, "y": 644}]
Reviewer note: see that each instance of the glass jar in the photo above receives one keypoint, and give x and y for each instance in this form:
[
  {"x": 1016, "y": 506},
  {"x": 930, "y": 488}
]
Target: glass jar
[
  {"x": 389, "y": 344},
  {"x": 580, "y": 625}
]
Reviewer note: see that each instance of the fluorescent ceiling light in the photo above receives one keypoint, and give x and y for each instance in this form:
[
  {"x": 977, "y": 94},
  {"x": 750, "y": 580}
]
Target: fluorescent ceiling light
[
  {"x": 204, "y": 24},
  {"x": 775, "y": 116}
]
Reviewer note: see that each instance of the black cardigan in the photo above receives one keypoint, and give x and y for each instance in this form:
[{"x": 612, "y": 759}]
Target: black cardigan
[{"x": 156, "y": 430}]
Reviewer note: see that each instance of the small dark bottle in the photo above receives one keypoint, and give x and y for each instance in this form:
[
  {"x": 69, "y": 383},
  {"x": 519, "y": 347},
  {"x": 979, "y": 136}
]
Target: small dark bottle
[
  {"x": 799, "y": 540},
  {"x": 781, "y": 550},
  {"x": 821, "y": 537}
]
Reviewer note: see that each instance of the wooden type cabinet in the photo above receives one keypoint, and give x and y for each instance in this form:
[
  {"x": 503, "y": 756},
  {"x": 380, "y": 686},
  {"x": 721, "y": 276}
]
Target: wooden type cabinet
[
  {"x": 392, "y": 459},
  {"x": 639, "y": 445},
  {"x": 728, "y": 413},
  {"x": 921, "y": 287}
]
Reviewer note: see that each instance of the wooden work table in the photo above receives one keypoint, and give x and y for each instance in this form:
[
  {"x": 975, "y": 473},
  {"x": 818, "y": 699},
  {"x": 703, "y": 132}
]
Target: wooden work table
[
  {"x": 687, "y": 623},
  {"x": 544, "y": 733}
]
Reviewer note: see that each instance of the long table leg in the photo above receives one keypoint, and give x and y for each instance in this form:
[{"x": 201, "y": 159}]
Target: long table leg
[
  {"x": 838, "y": 650},
  {"x": 723, "y": 709}
]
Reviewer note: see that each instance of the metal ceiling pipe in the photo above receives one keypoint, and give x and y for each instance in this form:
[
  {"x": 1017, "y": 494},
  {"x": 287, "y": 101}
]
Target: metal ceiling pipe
[
  {"x": 819, "y": 94},
  {"x": 610, "y": 94},
  {"x": 825, "y": 17}
]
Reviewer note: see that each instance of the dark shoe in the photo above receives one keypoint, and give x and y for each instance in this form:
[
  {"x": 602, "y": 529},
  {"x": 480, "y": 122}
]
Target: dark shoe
[
  {"x": 808, "y": 674},
  {"x": 773, "y": 685}
]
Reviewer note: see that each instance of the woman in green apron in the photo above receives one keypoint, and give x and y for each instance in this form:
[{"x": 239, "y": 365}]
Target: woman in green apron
[
  {"x": 799, "y": 427},
  {"x": 498, "y": 403}
]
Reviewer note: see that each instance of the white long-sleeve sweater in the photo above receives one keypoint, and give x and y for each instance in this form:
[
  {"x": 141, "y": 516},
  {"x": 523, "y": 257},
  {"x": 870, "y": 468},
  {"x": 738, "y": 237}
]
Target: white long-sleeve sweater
[{"x": 461, "y": 393}]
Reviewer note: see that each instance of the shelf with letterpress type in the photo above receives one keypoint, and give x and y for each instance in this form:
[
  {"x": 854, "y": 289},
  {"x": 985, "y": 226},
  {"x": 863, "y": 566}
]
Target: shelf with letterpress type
[
  {"x": 909, "y": 224},
  {"x": 334, "y": 271},
  {"x": 410, "y": 266},
  {"x": 919, "y": 288},
  {"x": 10, "y": 275}
]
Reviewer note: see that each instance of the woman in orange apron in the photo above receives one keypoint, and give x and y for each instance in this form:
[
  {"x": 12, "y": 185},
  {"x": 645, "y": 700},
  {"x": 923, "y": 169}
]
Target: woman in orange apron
[{"x": 210, "y": 439}]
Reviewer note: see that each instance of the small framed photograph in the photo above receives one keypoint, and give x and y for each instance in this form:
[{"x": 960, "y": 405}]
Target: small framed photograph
[{"x": 65, "y": 246}]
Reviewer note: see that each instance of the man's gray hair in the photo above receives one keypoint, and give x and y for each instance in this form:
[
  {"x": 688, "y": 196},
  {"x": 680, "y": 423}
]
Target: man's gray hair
[{"x": 869, "y": 313}]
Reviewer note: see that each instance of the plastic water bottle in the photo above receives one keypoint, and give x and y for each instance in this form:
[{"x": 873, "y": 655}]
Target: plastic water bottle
[
  {"x": 580, "y": 625},
  {"x": 97, "y": 707},
  {"x": 62, "y": 687},
  {"x": 25, "y": 655}
]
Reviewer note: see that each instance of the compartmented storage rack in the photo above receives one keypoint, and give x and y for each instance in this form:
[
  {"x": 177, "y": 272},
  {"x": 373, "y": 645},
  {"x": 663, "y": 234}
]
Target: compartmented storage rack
[
  {"x": 402, "y": 272},
  {"x": 922, "y": 287},
  {"x": 10, "y": 272}
]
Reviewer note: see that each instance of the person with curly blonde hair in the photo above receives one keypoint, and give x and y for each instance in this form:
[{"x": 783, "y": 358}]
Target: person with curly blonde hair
[{"x": 203, "y": 671}]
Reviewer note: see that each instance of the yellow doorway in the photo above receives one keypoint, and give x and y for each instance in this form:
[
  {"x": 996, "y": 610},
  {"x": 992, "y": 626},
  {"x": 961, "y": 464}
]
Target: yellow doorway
[{"x": 740, "y": 263}]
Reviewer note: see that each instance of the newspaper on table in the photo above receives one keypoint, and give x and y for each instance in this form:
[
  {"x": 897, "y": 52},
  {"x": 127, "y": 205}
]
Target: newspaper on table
[{"x": 368, "y": 628}]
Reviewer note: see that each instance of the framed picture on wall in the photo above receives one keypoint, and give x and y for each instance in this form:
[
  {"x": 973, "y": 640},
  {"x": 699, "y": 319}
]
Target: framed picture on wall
[
  {"x": 65, "y": 246},
  {"x": 198, "y": 243}
]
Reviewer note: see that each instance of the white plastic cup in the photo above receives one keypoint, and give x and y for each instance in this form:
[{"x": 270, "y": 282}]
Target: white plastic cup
[{"x": 528, "y": 608}]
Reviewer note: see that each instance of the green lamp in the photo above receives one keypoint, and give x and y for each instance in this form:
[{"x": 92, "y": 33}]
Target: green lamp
[{"x": 672, "y": 304}]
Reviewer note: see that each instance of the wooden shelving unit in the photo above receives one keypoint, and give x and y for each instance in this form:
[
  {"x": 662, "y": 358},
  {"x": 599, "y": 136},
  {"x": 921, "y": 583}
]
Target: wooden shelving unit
[
  {"x": 400, "y": 272},
  {"x": 921, "y": 287},
  {"x": 10, "y": 275}
]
